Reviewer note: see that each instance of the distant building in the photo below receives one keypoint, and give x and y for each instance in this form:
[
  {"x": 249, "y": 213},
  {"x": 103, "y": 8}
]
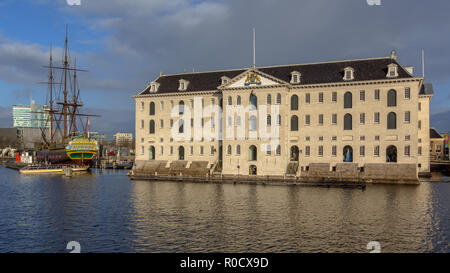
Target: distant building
[
  {"x": 100, "y": 137},
  {"x": 123, "y": 138},
  {"x": 32, "y": 116},
  {"x": 436, "y": 145}
]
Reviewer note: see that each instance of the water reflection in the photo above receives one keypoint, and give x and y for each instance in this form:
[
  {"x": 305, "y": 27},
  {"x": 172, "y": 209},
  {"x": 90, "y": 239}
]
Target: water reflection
[{"x": 107, "y": 212}]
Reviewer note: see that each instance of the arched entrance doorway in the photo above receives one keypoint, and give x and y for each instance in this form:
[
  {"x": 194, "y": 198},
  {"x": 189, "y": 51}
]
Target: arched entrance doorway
[
  {"x": 152, "y": 153},
  {"x": 348, "y": 154},
  {"x": 181, "y": 153},
  {"x": 252, "y": 170},
  {"x": 294, "y": 153},
  {"x": 391, "y": 154}
]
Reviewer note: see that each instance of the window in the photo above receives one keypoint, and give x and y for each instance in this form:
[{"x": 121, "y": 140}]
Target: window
[
  {"x": 213, "y": 101},
  {"x": 230, "y": 121},
  {"x": 212, "y": 150},
  {"x": 278, "y": 98},
  {"x": 230, "y": 100},
  {"x": 161, "y": 123},
  {"x": 362, "y": 138},
  {"x": 307, "y": 120},
  {"x": 201, "y": 150},
  {"x": 334, "y": 119},
  {"x": 269, "y": 99},
  {"x": 142, "y": 124},
  {"x": 334, "y": 97},
  {"x": 161, "y": 105},
  {"x": 408, "y": 137},
  {"x": 376, "y": 151},
  {"x": 294, "y": 102},
  {"x": 321, "y": 138},
  {"x": 253, "y": 123},
  {"x": 362, "y": 150},
  {"x": 181, "y": 107},
  {"x": 181, "y": 126},
  {"x": 438, "y": 148},
  {"x": 376, "y": 117},
  {"x": 349, "y": 74},
  {"x": 295, "y": 77},
  {"x": 307, "y": 98},
  {"x": 362, "y": 95},
  {"x": 171, "y": 150},
  {"x": 307, "y": 138},
  {"x": 224, "y": 79},
  {"x": 321, "y": 119},
  {"x": 278, "y": 151},
  {"x": 320, "y": 97},
  {"x": 407, "y": 150},
  {"x": 391, "y": 98},
  {"x": 268, "y": 150},
  {"x": 252, "y": 153},
  {"x": 253, "y": 102},
  {"x": 419, "y": 125},
  {"x": 142, "y": 150},
  {"x": 238, "y": 149},
  {"x": 171, "y": 123},
  {"x": 420, "y": 106},
  {"x": 334, "y": 138},
  {"x": 377, "y": 138},
  {"x": 392, "y": 71},
  {"x": 152, "y": 108},
  {"x": 191, "y": 150},
  {"x": 152, "y": 127},
  {"x": 376, "y": 94},
  {"x": 419, "y": 150},
  {"x": 279, "y": 120},
  {"x": 348, "y": 122},
  {"x": 294, "y": 123},
  {"x": 192, "y": 123},
  {"x": 183, "y": 85},
  {"x": 142, "y": 105},
  {"x": 333, "y": 150},
  {"x": 307, "y": 151},
  {"x": 238, "y": 121},
  {"x": 269, "y": 120},
  {"x": 348, "y": 100},
  {"x": 362, "y": 118},
  {"x": 407, "y": 117},
  {"x": 238, "y": 100},
  {"x": 392, "y": 121},
  {"x": 320, "y": 151},
  {"x": 162, "y": 150},
  {"x": 407, "y": 93}
]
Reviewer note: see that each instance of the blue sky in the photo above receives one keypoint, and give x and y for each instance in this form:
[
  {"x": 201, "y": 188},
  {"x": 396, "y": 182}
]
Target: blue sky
[{"x": 125, "y": 44}]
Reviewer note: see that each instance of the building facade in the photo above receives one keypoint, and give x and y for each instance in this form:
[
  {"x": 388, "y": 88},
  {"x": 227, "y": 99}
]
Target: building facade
[
  {"x": 30, "y": 116},
  {"x": 123, "y": 138},
  {"x": 436, "y": 145},
  {"x": 280, "y": 120}
]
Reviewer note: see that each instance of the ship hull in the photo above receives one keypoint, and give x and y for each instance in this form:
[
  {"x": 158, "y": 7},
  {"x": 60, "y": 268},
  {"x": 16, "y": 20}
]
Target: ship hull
[{"x": 60, "y": 156}]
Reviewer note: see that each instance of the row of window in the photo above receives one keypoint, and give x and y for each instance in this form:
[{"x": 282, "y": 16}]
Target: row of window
[
  {"x": 348, "y": 120},
  {"x": 268, "y": 150},
  {"x": 348, "y": 98},
  {"x": 181, "y": 152},
  {"x": 348, "y": 151}
]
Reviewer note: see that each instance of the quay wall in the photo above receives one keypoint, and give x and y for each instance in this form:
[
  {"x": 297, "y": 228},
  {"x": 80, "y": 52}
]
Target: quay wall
[{"x": 389, "y": 173}]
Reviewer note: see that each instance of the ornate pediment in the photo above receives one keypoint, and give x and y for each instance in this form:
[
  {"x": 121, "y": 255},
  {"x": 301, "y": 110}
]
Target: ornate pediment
[{"x": 252, "y": 78}]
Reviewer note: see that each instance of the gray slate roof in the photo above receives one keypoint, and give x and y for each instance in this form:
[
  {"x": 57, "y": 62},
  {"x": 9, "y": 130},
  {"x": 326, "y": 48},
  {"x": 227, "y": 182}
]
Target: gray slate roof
[
  {"x": 427, "y": 89},
  {"x": 434, "y": 133},
  {"x": 317, "y": 73}
]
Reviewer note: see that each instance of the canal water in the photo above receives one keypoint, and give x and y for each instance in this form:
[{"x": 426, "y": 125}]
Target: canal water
[{"x": 107, "y": 212}]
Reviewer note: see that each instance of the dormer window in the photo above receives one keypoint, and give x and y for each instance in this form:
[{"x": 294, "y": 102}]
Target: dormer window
[
  {"x": 225, "y": 80},
  {"x": 154, "y": 86},
  {"x": 295, "y": 77},
  {"x": 349, "y": 74},
  {"x": 183, "y": 85},
  {"x": 392, "y": 71}
]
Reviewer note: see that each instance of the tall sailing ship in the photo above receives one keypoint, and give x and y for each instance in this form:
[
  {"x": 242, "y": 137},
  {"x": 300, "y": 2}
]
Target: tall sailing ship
[{"x": 64, "y": 142}]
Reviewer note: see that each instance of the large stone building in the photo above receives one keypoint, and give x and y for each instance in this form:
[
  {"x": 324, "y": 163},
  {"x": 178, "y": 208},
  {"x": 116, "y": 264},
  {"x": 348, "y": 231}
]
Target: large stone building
[{"x": 284, "y": 120}]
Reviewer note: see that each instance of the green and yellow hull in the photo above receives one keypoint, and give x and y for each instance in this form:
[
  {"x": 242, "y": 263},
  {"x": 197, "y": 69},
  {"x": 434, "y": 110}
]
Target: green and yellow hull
[{"x": 82, "y": 150}]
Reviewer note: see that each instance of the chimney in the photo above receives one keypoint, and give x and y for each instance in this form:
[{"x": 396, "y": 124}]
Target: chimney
[
  {"x": 410, "y": 69},
  {"x": 160, "y": 74}
]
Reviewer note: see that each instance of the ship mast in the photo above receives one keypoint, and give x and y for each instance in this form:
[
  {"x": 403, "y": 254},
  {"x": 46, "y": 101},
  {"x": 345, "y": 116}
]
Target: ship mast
[
  {"x": 66, "y": 66},
  {"x": 75, "y": 99},
  {"x": 51, "y": 96}
]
